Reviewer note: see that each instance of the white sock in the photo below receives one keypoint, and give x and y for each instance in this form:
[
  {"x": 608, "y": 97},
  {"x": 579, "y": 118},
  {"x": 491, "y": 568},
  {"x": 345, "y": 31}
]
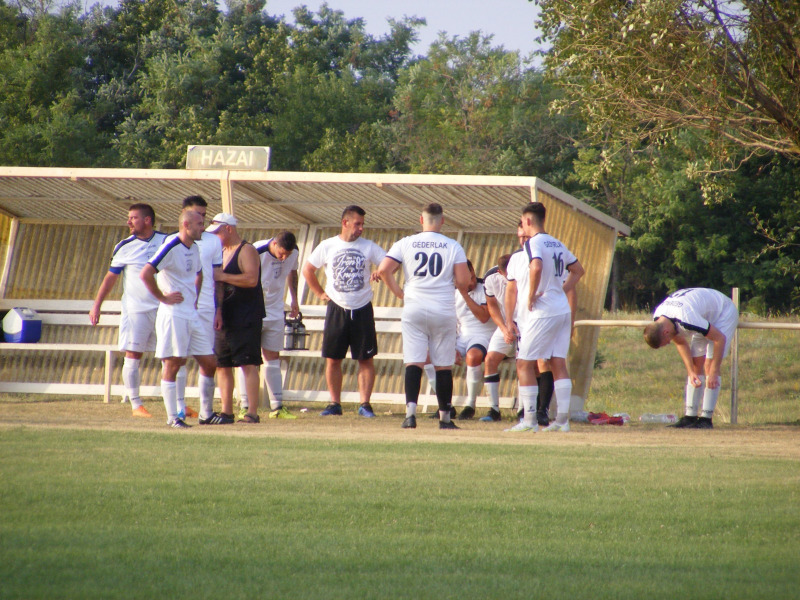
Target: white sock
[
  {"x": 131, "y": 380},
  {"x": 180, "y": 383},
  {"x": 206, "y": 385},
  {"x": 693, "y": 396},
  {"x": 710, "y": 401},
  {"x": 411, "y": 409},
  {"x": 474, "y": 384},
  {"x": 527, "y": 397},
  {"x": 493, "y": 387},
  {"x": 562, "y": 390},
  {"x": 430, "y": 373},
  {"x": 169, "y": 393},
  {"x": 244, "y": 402},
  {"x": 274, "y": 382}
]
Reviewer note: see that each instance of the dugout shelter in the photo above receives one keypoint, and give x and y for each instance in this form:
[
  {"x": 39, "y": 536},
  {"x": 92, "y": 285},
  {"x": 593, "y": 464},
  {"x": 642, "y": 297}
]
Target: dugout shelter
[{"x": 58, "y": 227}]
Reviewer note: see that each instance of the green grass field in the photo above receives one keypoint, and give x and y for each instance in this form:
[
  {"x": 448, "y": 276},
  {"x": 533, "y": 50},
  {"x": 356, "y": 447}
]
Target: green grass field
[{"x": 94, "y": 504}]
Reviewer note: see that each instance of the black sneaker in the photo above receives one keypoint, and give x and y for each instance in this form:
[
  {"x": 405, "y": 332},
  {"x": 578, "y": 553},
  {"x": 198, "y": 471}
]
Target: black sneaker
[
  {"x": 685, "y": 421},
  {"x": 179, "y": 424},
  {"x": 447, "y": 425},
  {"x": 542, "y": 419},
  {"x": 217, "y": 419},
  {"x": 703, "y": 423},
  {"x": 409, "y": 422},
  {"x": 466, "y": 413},
  {"x": 492, "y": 415}
]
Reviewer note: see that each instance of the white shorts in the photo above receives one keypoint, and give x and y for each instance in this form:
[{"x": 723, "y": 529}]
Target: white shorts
[
  {"x": 468, "y": 340},
  {"x": 137, "y": 331},
  {"x": 498, "y": 343},
  {"x": 272, "y": 334},
  {"x": 702, "y": 346},
  {"x": 427, "y": 331},
  {"x": 179, "y": 337},
  {"x": 205, "y": 332},
  {"x": 546, "y": 337}
]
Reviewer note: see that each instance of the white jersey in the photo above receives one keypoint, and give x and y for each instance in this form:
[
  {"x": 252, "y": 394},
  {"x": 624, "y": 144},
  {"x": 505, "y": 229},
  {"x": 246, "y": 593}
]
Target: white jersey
[
  {"x": 494, "y": 286},
  {"x": 128, "y": 258},
  {"x": 428, "y": 259},
  {"x": 210, "y": 248},
  {"x": 555, "y": 258},
  {"x": 178, "y": 266},
  {"x": 273, "y": 278},
  {"x": 347, "y": 269},
  {"x": 468, "y": 323},
  {"x": 696, "y": 309}
]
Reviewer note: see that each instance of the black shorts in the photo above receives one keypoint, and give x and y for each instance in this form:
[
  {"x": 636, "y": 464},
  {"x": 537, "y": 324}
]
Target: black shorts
[
  {"x": 354, "y": 329},
  {"x": 238, "y": 347}
]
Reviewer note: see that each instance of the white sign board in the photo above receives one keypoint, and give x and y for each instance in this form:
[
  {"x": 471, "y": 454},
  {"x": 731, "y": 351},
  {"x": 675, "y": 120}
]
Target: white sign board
[{"x": 232, "y": 158}]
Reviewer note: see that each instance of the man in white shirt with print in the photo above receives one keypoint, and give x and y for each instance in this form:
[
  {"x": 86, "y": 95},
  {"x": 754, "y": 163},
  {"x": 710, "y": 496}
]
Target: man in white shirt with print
[
  {"x": 349, "y": 320},
  {"x": 137, "y": 327},
  {"x": 434, "y": 266},
  {"x": 537, "y": 295}
]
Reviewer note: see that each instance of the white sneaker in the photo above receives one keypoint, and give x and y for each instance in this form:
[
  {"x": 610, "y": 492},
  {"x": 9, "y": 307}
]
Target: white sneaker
[
  {"x": 522, "y": 426},
  {"x": 563, "y": 427}
]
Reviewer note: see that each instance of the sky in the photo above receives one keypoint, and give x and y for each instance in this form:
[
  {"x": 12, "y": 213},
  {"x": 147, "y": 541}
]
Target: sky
[{"x": 510, "y": 21}]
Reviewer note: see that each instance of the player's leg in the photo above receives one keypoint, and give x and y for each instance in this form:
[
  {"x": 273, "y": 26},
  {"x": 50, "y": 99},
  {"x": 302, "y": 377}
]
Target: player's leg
[
  {"x": 474, "y": 378},
  {"x": 334, "y": 349}
]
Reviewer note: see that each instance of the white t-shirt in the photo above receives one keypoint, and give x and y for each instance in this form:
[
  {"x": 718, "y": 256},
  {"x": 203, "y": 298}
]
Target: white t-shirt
[
  {"x": 695, "y": 309},
  {"x": 128, "y": 258},
  {"x": 273, "y": 278},
  {"x": 177, "y": 266},
  {"x": 428, "y": 259},
  {"x": 468, "y": 323},
  {"x": 347, "y": 269},
  {"x": 210, "y": 256}
]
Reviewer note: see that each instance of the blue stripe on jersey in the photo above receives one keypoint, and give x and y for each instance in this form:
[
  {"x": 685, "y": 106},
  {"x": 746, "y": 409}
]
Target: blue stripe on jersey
[
  {"x": 163, "y": 251},
  {"x": 122, "y": 243},
  {"x": 491, "y": 271},
  {"x": 116, "y": 270},
  {"x": 263, "y": 247}
]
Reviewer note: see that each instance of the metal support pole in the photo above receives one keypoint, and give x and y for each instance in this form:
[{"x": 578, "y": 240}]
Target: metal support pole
[{"x": 735, "y": 364}]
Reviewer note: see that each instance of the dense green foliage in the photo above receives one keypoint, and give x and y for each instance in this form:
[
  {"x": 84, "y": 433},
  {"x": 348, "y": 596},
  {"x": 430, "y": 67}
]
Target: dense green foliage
[{"x": 133, "y": 85}]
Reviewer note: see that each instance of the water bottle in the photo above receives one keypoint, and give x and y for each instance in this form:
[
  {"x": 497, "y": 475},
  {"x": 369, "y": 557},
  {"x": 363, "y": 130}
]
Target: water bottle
[{"x": 651, "y": 418}]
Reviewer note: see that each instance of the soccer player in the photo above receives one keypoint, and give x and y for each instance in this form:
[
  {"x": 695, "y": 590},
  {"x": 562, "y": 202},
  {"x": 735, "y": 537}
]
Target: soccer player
[
  {"x": 211, "y": 259},
  {"x": 137, "y": 327},
  {"x": 180, "y": 278},
  {"x": 708, "y": 319},
  {"x": 434, "y": 266},
  {"x": 349, "y": 319},
  {"x": 494, "y": 285},
  {"x": 475, "y": 329},
  {"x": 538, "y": 293},
  {"x": 279, "y": 258}
]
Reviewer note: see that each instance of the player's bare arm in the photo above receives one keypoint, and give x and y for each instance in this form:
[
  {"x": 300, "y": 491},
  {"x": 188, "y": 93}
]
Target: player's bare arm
[
  {"x": 511, "y": 333},
  {"x": 386, "y": 271},
  {"x": 105, "y": 288},
  {"x": 310, "y": 275},
  {"x": 148, "y": 277},
  {"x": 536, "y": 278},
  {"x": 686, "y": 355}
]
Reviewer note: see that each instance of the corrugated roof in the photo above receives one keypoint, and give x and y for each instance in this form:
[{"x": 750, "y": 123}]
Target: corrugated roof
[{"x": 102, "y": 196}]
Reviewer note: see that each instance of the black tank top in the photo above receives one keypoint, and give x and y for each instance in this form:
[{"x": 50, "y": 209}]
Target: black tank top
[{"x": 241, "y": 307}]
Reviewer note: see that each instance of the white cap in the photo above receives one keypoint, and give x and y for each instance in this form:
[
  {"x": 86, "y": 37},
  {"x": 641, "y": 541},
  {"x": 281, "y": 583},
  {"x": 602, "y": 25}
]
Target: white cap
[{"x": 221, "y": 219}]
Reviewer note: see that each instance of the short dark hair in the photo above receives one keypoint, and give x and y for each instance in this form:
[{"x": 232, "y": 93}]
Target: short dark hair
[
  {"x": 353, "y": 208},
  {"x": 502, "y": 262},
  {"x": 286, "y": 240},
  {"x": 194, "y": 201},
  {"x": 535, "y": 209},
  {"x": 433, "y": 209},
  {"x": 146, "y": 211}
]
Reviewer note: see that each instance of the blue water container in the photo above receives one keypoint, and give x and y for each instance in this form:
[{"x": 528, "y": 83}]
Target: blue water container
[{"x": 22, "y": 325}]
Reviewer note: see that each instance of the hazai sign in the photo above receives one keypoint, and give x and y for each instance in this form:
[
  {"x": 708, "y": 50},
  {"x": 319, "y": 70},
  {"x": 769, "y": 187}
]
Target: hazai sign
[{"x": 234, "y": 158}]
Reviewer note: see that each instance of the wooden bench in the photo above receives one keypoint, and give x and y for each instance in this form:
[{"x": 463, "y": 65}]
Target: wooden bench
[{"x": 58, "y": 313}]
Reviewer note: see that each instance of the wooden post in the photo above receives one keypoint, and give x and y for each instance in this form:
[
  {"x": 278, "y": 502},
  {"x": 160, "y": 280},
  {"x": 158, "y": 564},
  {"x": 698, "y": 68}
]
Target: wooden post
[{"x": 735, "y": 364}]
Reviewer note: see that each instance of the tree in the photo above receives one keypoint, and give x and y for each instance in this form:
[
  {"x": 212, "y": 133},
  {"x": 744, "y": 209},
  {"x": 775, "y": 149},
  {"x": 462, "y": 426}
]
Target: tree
[{"x": 642, "y": 68}]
